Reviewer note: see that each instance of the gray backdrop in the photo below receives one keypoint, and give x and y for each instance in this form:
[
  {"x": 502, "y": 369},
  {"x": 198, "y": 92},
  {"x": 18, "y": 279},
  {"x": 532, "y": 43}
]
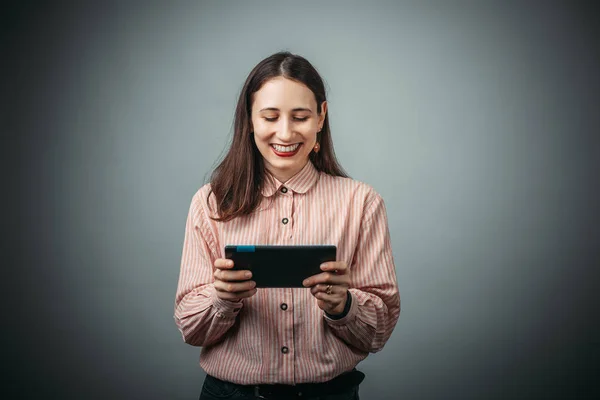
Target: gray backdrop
[{"x": 476, "y": 121}]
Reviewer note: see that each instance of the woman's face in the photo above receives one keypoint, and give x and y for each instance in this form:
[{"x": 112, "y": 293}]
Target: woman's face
[{"x": 285, "y": 124}]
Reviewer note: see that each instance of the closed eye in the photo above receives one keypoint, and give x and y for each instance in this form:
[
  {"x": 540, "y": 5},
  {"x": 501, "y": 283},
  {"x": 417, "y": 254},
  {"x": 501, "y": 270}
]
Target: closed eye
[{"x": 295, "y": 119}]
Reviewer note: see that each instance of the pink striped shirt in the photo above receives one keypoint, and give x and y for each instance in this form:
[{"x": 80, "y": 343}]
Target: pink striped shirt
[{"x": 243, "y": 342}]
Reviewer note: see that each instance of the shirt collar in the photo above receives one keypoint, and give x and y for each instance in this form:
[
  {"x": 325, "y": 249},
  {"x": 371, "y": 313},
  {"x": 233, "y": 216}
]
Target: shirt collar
[{"x": 299, "y": 183}]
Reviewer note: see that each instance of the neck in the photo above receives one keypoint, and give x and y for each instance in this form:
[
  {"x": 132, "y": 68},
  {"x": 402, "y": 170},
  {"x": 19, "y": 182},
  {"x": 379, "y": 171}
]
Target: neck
[{"x": 286, "y": 175}]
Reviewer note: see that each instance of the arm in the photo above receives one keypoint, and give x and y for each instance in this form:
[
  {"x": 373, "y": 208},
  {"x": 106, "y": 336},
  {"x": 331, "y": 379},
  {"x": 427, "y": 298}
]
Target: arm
[
  {"x": 202, "y": 318},
  {"x": 375, "y": 301}
]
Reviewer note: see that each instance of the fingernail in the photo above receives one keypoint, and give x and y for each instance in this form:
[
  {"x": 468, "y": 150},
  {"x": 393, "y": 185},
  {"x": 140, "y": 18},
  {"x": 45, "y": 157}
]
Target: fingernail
[
  {"x": 248, "y": 274},
  {"x": 305, "y": 283}
]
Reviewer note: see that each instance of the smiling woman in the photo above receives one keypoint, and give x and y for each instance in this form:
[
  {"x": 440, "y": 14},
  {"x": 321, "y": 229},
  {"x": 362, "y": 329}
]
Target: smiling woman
[
  {"x": 286, "y": 134},
  {"x": 282, "y": 104},
  {"x": 280, "y": 184}
]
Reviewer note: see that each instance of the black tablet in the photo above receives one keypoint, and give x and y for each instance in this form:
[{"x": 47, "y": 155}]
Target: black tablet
[{"x": 280, "y": 266}]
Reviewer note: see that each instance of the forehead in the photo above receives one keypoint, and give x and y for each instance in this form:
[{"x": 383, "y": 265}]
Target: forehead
[{"x": 284, "y": 94}]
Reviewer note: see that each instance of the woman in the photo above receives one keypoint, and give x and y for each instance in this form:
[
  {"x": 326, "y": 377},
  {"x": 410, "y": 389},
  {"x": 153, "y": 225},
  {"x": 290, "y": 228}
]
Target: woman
[{"x": 280, "y": 184}]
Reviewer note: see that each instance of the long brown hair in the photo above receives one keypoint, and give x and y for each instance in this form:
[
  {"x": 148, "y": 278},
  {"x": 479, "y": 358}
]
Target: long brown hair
[{"x": 238, "y": 180}]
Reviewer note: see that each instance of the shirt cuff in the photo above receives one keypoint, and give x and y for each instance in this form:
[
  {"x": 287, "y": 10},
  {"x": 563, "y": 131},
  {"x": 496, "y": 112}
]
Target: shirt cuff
[
  {"x": 349, "y": 311},
  {"x": 226, "y": 308}
]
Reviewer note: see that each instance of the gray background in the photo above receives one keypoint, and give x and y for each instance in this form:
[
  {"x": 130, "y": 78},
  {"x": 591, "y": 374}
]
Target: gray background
[{"x": 476, "y": 121}]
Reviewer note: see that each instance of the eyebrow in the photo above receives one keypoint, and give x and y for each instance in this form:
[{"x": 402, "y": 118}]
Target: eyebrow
[{"x": 277, "y": 109}]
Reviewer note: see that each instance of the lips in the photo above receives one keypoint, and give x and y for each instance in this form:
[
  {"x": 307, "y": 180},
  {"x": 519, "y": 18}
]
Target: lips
[{"x": 286, "y": 151}]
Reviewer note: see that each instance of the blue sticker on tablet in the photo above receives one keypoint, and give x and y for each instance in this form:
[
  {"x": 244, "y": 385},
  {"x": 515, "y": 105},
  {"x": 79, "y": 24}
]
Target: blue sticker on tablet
[{"x": 246, "y": 249}]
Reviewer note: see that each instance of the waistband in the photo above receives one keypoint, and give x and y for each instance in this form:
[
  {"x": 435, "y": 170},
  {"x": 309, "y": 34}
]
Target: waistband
[{"x": 339, "y": 384}]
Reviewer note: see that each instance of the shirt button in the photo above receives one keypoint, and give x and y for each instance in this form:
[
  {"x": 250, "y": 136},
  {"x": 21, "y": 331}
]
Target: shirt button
[
  {"x": 285, "y": 350},
  {"x": 285, "y": 221},
  {"x": 284, "y": 190},
  {"x": 283, "y": 306}
]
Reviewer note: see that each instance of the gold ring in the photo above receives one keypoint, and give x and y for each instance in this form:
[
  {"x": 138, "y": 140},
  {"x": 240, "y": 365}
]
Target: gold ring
[{"x": 328, "y": 291}]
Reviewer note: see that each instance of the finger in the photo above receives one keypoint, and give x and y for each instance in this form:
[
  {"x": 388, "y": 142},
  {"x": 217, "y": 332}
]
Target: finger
[
  {"x": 330, "y": 298},
  {"x": 333, "y": 300},
  {"x": 321, "y": 287},
  {"x": 339, "y": 267},
  {"x": 310, "y": 280},
  {"x": 225, "y": 275},
  {"x": 223, "y": 263},
  {"x": 237, "y": 296},
  {"x": 326, "y": 277},
  {"x": 248, "y": 293},
  {"x": 232, "y": 287}
]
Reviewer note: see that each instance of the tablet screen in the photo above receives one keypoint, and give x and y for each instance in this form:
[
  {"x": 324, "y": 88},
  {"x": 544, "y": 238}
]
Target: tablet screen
[{"x": 280, "y": 266}]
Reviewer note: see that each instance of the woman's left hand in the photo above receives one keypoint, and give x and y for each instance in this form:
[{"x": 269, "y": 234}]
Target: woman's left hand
[{"x": 330, "y": 287}]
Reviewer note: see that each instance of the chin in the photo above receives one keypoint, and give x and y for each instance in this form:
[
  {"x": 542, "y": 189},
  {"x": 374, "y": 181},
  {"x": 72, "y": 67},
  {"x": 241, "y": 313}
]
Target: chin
[{"x": 283, "y": 164}]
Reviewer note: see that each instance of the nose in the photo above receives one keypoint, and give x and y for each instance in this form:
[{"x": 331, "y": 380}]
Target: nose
[{"x": 285, "y": 130}]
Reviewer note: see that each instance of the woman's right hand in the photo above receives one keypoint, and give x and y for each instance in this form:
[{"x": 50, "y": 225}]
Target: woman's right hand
[{"x": 232, "y": 285}]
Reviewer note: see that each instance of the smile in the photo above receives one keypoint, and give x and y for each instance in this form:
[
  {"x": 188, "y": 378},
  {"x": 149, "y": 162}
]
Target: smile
[{"x": 285, "y": 151}]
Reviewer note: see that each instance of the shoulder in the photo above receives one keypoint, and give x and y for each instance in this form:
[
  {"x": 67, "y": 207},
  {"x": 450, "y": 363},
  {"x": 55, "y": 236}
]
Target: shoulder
[
  {"x": 201, "y": 195},
  {"x": 203, "y": 192},
  {"x": 203, "y": 201},
  {"x": 350, "y": 187}
]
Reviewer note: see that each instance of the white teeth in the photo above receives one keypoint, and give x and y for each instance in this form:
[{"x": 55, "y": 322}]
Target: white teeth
[{"x": 286, "y": 149}]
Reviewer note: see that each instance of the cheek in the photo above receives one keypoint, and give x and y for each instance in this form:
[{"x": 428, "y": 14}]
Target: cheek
[
  {"x": 260, "y": 137},
  {"x": 262, "y": 144},
  {"x": 310, "y": 136},
  {"x": 258, "y": 125}
]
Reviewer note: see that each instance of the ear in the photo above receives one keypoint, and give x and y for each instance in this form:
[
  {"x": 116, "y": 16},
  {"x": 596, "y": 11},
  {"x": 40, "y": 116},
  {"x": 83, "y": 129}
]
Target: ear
[{"x": 323, "y": 113}]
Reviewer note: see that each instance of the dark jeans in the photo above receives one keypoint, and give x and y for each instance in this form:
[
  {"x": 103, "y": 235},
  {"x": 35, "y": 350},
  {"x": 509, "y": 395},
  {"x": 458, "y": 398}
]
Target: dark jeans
[{"x": 215, "y": 389}]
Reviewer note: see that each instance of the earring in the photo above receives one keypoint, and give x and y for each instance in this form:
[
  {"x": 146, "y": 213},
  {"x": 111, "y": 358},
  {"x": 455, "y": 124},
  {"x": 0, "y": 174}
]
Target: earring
[{"x": 317, "y": 147}]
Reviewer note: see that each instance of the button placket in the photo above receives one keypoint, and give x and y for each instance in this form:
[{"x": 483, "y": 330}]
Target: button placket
[
  {"x": 286, "y": 335},
  {"x": 286, "y": 220}
]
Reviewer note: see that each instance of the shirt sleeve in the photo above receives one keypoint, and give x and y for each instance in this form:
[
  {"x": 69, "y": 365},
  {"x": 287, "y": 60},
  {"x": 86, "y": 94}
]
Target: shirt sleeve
[
  {"x": 375, "y": 306},
  {"x": 202, "y": 318}
]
